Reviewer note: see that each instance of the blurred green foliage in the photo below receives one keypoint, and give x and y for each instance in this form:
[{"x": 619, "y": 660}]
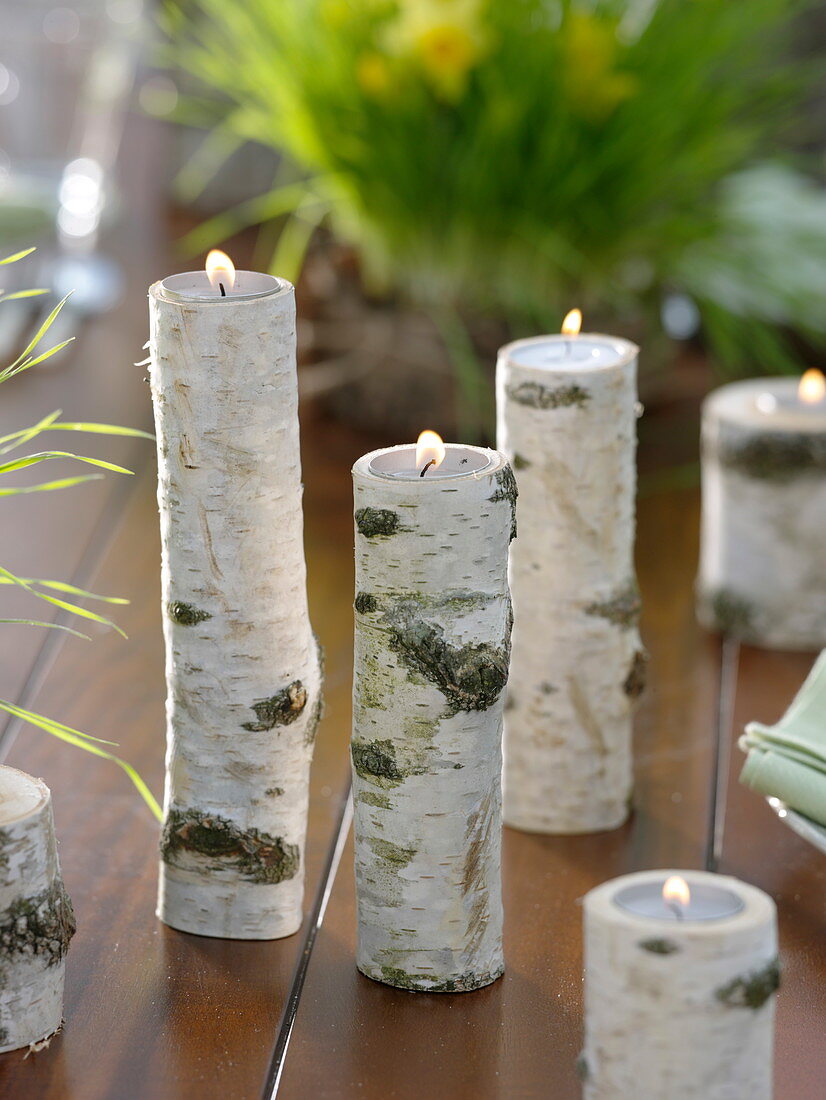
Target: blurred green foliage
[{"x": 523, "y": 156}]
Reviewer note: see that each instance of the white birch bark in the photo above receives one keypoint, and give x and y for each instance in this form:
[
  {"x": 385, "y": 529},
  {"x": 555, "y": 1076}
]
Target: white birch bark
[
  {"x": 36, "y": 918},
  {"x": 578, "y": 663},
  {"x": 433, "y": 623},
  {"x": 242, "y": 664},
  {"x": 764, "y": 520},
  {"x": 679, "y": 1009}
]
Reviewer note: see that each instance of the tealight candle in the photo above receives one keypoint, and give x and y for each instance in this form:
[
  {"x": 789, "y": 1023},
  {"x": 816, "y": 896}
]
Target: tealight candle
[
  {"x": 432, "y": 645},
  {"x": 242, "y": 665},
  {"x": 764, "y": 512},
  {"x": 567, "y": 411},
  {"x": 680, "y": 975}
]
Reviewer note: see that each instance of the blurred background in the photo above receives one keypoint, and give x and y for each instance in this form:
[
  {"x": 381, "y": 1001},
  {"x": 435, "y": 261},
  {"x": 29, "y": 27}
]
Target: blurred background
[{"x": 438, "y": 176}]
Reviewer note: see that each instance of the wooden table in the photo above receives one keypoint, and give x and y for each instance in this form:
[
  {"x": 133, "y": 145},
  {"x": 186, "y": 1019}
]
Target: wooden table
[{"x": 153, "y": 1013}]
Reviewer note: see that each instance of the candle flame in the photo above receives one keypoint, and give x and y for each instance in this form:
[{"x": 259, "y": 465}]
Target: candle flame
[
  {"x": 812, "y": 388},
  {"x": 572, "y": 323},
  {"x": 220, "y": 269},
  {"x": 676, "y": 891},
  {"x": 429, "y": 450}
]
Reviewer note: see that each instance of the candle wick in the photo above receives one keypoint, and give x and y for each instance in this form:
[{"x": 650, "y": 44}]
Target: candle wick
[
  {"x": 427, "y": 466},
  {"x": 677, "y": 910},
  {"x": 221, "y": 288}
]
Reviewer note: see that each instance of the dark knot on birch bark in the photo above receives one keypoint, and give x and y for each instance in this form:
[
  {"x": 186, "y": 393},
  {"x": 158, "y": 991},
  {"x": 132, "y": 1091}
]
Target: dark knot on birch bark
[
  {"x": 280, "y": 709},
  {"x": 256, "y": 855}
]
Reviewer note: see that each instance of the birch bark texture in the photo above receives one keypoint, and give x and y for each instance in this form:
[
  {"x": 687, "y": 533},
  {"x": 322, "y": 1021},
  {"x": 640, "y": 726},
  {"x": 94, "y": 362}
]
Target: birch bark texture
[
  {"x": 242, "y": 663},
  {"x": 36, "y": 917},
  {"x": 679, "y": 1009},
  {"x": 764, "y": 518},
  {"x": 568, "y": 427},
  {"x": 432, "y": 646}
]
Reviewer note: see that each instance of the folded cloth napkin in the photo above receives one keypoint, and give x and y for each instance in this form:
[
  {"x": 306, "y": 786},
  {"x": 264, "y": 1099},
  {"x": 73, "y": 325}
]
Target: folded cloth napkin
[{"x": 788, "y": 761}]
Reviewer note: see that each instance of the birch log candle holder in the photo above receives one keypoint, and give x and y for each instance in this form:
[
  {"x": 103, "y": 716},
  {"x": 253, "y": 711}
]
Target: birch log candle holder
[
  {"x": 36, "y": 918},
  {"x": 764, "y": 512},
  {"x": 242, "y": 664},
  {"x": 680, "y": 976},
  {"x": 432, "y": 644},
  {"x": 567, "y": 410}
]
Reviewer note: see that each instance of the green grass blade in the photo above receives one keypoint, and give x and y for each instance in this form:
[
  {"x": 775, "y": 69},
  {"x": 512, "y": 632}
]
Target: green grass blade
[
  {"x": 63, "y": 586},
  {"x": 48, "y": 626},
  {"x": 23, "y": 294},
  {"x": 16, "y": 256},
  {"x": 41, "y": 332},
  {"x": 45, "y": 456},
  {"x": 16, "y": 439},
  {"x": 100, "y": 429},
  {"x": 21, "y": 712},
  {"x": 18, "y": 368},
  {"x": 75, "y": 609},
  {"x": 50, "y": 486},
  {"x": 50, "y": 423},
  {"x": 84, "y": 741}
]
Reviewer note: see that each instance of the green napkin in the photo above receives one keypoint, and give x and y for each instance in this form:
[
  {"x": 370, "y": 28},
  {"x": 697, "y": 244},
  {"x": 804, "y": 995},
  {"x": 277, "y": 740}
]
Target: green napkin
[{"x": 788, "y": 761}]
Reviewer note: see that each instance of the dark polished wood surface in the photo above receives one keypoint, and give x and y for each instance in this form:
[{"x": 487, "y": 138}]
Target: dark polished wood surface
[{"x": 156, "y": 1014}]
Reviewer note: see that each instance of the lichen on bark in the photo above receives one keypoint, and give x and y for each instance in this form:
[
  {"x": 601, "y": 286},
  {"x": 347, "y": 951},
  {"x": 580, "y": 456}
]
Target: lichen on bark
[
  {"x": 536, "y": 396},
  {"x": 257, "y": 856},
  {"x": 280, "y": 709},
  {"x": 753, "y": 990},
  {"x": 729, "y": 612},
  {"x": 186, "y": 614},
  {"x": 635, "y": 681},
  {"x": 659, "y": 946},
  {"x": 622, "y": 609},
  {"x": 39, "y": 925},
  {"x": 365, "y": 602},
  {"x": 520, "y": 462},
  {"x": 376, "y": 760},
  {"x": 471, "y": 677},
  {"x": 392, "y": 854},
  {"x": 506, "y": 490},
  {"x": 370, "y": 798},
  {"x": 775, "y": 456},
  {"x": 377, "y": 522}
]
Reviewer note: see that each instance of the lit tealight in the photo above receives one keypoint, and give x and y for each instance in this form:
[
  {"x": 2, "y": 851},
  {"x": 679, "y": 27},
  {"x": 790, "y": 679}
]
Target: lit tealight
[
  {"x": 676, "y": 893},
  {"x": 430, "y": 452},
  {"x": 812, "y": 388},
  {"x": 220, "y": 270}
]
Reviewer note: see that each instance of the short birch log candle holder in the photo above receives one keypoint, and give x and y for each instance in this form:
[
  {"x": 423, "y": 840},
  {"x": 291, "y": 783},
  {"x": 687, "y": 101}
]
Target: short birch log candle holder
[
  {"x": 432, "y": 645},
  {"x": 764, "y": 512},
  {"x": 242, "y": 664},
  {"x": 567, "y": 412},
  {"x": 680, "y": 977},
  {"x": 36, "y": 918}
]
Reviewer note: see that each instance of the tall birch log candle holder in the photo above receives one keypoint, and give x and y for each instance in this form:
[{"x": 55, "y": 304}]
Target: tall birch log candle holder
[
  {"x": 242, "y": 664},
  {"x": 680, "y": 975},
  {"x": 567, "y": 411},
  {"x": 36, "y": 918},
  {"x": 764, "y": 512},
  {"x": 432, "y": 645}
]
